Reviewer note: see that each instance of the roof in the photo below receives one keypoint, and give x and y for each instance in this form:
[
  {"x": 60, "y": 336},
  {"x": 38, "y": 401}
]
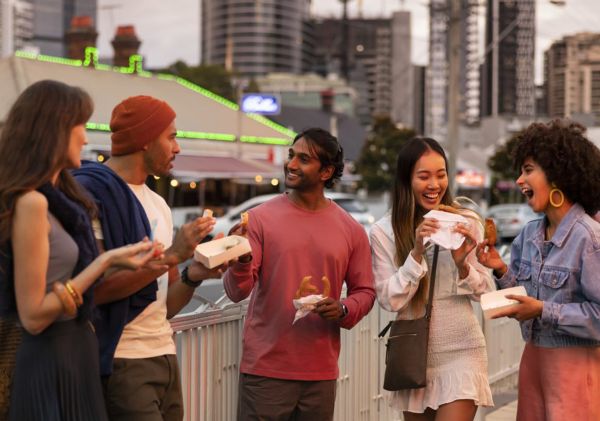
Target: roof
[
  {"x": 215, "y": 167},
  {"x": 207, "y": 123},
  {"x": 351, "y": 134}
]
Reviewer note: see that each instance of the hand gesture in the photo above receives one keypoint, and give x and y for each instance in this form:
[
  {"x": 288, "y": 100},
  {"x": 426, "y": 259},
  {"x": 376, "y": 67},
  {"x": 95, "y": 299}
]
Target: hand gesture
[
  {"x": 329, "y": 309},
  {"x": 528, "y": 308},
  {"x": 460, "y": 254},
  {"x": 134, "y": 256},
  {"x": 239, "y": 229},
  {"x": 189, "y": 236},
  {"x": 197, "y": 271},
  {"x": 488, "y": 256},
  {"x": 428, "y": 227}
]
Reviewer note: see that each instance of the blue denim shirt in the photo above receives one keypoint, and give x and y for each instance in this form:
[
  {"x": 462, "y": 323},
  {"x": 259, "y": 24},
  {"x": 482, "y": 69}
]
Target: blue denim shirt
[{"x": 564, "y": 273}]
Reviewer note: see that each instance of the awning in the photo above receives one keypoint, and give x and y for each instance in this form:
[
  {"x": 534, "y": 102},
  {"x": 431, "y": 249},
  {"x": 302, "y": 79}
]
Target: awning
[{"x": 194, "y": 167}]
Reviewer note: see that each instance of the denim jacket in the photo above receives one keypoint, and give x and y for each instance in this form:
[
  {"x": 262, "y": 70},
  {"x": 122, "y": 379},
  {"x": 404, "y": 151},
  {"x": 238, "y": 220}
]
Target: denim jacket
[{"x": 564, "y": 273}]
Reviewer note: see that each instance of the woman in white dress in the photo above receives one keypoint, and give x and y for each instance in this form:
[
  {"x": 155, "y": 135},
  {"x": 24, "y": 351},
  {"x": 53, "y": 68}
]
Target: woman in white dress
[{"x": 457, "y": 381}]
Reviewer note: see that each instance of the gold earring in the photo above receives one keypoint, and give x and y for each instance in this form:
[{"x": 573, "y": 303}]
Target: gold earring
[{"x": 562, "y": 196}]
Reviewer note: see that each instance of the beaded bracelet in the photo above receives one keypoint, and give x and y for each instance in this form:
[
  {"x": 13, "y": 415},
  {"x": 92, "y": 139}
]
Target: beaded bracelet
[
  {"x": 74, "y": 293},
  {"x": 65, "y": 298}
]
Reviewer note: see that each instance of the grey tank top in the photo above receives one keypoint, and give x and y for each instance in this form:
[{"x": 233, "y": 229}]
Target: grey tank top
[{"x": 63, "y": 254}]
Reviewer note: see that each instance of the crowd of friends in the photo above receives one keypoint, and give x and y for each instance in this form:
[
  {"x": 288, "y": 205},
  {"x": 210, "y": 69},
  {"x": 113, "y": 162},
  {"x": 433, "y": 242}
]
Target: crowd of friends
[{"x": 89, "y": 273}]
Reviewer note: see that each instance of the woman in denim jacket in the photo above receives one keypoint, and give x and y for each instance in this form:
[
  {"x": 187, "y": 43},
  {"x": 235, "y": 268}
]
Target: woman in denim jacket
[{"x": 557, "y": 260}]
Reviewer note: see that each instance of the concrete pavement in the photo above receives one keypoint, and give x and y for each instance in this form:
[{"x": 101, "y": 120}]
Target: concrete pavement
[{"x": 507, "y": 412}]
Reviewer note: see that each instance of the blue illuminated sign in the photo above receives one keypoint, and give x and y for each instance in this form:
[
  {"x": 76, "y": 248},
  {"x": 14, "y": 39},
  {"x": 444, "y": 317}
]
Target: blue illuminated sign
[{"x": 266, "y": 104}]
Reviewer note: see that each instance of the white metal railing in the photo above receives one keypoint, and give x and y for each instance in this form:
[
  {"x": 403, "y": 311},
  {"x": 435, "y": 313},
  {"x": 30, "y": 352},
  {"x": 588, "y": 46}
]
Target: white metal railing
[{"x": 209, "y": 350}]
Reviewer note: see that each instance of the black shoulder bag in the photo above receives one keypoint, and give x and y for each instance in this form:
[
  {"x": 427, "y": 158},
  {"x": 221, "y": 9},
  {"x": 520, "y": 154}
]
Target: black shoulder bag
[{"x": 406, "y": 347}]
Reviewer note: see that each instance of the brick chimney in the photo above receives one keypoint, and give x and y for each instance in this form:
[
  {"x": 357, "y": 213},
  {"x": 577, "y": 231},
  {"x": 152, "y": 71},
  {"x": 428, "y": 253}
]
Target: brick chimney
[
  {"x": 125, "y": 43},
  {"x": 80, "y": 35}
]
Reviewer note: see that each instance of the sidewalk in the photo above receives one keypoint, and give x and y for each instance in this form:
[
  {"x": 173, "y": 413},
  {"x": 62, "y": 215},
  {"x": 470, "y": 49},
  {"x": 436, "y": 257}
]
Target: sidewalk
[
  {"x": 505, "y": 409},
  {"x": 507, "y": 412}
]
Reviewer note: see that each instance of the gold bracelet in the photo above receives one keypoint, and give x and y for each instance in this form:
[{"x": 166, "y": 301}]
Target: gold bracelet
[
  {"x": 65, "y": 298},
  {"x": 74, "y": 293}
]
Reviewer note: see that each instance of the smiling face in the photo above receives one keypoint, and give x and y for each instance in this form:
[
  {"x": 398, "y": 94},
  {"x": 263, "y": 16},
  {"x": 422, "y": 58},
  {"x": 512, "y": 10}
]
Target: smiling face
[
  {"x": 429, "y": 180},
  {"x": 303, "y": 169},
  {"x": 160, "y": 153},
  {"x": 534, "y": 185},
  {"x": 77, "y": 139}
]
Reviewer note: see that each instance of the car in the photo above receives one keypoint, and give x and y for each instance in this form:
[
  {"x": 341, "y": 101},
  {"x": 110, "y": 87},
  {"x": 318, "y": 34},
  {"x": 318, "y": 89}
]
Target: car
[
  {"x": 510, "y": 219},
  {"x": 346, "y": 201}
]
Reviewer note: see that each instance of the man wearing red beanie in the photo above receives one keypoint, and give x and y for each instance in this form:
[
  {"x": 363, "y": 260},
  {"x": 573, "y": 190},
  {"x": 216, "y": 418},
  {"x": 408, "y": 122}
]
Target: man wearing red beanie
[{"x": 142, "y": 382}]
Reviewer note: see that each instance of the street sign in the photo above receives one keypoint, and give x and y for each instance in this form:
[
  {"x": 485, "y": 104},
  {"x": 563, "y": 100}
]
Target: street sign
[{"x": 258, "y": 103}]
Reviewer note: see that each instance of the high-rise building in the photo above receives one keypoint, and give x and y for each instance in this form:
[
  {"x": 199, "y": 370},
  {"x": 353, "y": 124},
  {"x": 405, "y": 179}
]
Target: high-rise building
[
  {"x": 436, "y": 107},
  {"x": 16, "y": 26},
  {"x": 508, "y": 85},
  {"x": 572, "y": 76},
  {"x": 367, "y": 56},
  {"x": 378, "y": 57},
  {"x": 52, "y": 20},
  {"x": 255, "y": 38},
  {"x": 401, "y": 77}
]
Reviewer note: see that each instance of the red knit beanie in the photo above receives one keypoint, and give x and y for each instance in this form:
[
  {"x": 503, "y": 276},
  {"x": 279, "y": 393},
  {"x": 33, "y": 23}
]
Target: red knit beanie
[{"x": 137, "y": 121}]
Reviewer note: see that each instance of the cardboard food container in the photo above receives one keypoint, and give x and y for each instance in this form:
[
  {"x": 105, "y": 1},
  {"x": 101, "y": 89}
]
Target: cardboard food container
[
  {"x": 492, "y": 303},
  {"x": 217, "y": 252}
]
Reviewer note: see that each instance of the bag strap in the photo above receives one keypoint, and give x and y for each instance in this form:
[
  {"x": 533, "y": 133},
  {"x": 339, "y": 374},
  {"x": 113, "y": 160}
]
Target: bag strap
[
  {"x": 436, "y": 251},
  {"x": 385, "y": 329}
]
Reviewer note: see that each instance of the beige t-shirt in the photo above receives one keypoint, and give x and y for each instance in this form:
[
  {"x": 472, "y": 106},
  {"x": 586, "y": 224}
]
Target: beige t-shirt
[{"x": 150, "y": 333}]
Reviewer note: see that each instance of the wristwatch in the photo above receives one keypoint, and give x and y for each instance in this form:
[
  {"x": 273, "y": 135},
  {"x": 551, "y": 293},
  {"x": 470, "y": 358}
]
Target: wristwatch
[
  {"x": 344, "y": 310},
  {"x": 186, "y": 280}
]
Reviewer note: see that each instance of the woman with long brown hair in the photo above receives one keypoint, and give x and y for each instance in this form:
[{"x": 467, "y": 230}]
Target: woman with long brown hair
[
  {"x": 457, "y": 363},
  {"x": 49, "y": 256}
]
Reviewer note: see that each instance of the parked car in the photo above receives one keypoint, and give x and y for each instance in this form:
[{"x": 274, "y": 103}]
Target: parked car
[
  {"x": 347, "y": 201},
  {"x": 510, "y": 219}
]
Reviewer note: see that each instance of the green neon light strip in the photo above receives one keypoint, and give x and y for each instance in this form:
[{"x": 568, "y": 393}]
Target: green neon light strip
[
  {"x": 98, "y": 127},
  {"x": 266, "y": 140},
  {"x": 135, "y": 66},
  {"x": 207, "y": 93},
  {"x": 208, "y": 136},
  {"x": 49, "y": 59},
  {"x": 101, "y": 127},
  {"x": 272, "y": 124}
]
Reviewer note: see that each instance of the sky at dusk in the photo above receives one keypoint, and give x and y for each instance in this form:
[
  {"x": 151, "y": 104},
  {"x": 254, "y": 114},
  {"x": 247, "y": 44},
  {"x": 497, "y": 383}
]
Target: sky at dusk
[{"x": 170, "y": 31}]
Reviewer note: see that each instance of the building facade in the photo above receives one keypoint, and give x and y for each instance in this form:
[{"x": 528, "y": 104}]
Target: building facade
[
  {"x": 257, "y": 38},
  {"x": 436, "y": 103},
  {"x": 572, "y": 76},
  {"x": 508, "y": 82},
  {"x": 16, "y": 26},
  {"x": 378, "y": 56},
  {"x": 52, "y": 20}
]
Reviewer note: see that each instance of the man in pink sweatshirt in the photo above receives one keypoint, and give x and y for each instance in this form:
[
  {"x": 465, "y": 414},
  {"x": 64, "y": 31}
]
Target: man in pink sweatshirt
[{"x": 289, "y": 371}]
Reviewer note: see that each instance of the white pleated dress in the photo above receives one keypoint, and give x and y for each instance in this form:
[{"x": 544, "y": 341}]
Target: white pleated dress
[{"x": 457, "y": 358}]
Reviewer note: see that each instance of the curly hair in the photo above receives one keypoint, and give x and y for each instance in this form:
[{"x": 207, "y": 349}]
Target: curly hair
[
  {"x": 567, "y": 157},
  {"x": 327, "y": 148}
]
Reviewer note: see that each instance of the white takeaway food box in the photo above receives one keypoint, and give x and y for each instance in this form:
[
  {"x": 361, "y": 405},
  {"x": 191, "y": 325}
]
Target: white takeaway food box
[
  {"x": 492, "y": 303},
  {"x": 217, "y": 252}
]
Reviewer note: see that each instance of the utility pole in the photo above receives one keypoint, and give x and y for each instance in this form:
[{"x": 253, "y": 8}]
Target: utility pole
[
  {"x": 454, "y": 27},
  {"x": 344, "y": 44},
  {"x": 496, "y": 54}
]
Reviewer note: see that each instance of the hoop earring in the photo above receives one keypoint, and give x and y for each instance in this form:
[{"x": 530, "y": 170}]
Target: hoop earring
[{"x": 562, "y": 196}]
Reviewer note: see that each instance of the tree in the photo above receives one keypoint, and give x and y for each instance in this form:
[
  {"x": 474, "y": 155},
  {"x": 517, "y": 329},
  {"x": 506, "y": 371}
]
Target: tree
[
  {"x": 502, "y": 165},
  {"x": 377, "y": 161},
  {"x": 213, "y": 77}
]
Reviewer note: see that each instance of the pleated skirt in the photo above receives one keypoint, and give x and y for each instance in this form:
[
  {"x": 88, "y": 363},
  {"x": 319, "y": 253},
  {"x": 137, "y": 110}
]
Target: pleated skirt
[{"x": 57, "y": 375}]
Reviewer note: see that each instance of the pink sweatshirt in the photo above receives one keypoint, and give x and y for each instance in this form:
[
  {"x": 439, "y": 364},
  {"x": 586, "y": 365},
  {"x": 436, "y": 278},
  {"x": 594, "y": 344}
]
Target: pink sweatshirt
[{"x": 289, "y": 243}]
